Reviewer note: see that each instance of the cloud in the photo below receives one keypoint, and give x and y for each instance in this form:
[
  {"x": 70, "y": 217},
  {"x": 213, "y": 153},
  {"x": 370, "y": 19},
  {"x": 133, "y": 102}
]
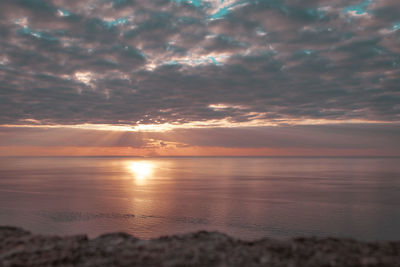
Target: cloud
[
  {"x": 381, "y": 138},
  {"x": 153, "y": 62},
  {"x": 305, "y": 136},
  {"x": 52, "y": 137}
]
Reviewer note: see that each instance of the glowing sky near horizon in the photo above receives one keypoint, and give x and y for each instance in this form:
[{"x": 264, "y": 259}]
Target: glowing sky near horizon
[{"x": 249, "y": 67}]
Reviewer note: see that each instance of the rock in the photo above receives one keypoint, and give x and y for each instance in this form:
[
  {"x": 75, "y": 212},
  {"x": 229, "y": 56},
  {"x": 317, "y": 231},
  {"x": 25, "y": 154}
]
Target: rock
[{"x": 22, "y": 248}]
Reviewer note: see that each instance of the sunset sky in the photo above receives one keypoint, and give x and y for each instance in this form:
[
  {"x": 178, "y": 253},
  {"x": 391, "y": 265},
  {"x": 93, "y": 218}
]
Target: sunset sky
[{"x": 201, "y": 78}]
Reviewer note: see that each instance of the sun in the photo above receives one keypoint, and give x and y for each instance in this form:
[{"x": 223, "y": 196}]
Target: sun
[{"x": 141, "y": 170}]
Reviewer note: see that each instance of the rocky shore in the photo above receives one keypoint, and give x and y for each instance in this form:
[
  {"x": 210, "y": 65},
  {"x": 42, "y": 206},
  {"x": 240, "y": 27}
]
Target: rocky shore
[{"x": 22, "y": 248}]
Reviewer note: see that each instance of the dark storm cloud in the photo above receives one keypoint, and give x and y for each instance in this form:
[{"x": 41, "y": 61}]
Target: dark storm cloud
[{"x": 129, "y": 62}]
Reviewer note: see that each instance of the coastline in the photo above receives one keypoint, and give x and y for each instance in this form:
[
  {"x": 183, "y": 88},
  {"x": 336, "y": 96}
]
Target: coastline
[{"x": 19, "y": 247}]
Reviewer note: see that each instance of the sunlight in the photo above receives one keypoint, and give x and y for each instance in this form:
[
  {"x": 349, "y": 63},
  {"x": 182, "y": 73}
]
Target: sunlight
[
  {"x": 141, "y": 170},
  {"x": 257, "y": 120},
  {"x": 84, "y": 77}
]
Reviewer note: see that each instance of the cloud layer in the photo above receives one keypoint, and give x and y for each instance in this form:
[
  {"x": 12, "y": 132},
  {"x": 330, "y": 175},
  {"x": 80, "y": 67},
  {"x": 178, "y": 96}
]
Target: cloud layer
[
  {"x": 381, "y": 139},
  {"x": 185, "y": 61}
]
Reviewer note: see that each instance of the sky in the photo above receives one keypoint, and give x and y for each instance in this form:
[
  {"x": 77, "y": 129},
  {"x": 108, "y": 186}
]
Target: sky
[{"x": 200, "y": 78}]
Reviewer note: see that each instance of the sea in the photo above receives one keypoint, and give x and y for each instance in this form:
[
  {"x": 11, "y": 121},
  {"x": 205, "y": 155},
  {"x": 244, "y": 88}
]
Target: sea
[{"x": 245, "y": 197}]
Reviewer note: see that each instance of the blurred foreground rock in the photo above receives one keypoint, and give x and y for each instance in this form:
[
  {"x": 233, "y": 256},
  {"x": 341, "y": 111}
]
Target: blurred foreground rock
[{"x": 21, "y": 248}]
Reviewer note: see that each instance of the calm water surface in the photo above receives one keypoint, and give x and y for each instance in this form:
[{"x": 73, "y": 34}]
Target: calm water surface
[{"x": 244, "y": 197}]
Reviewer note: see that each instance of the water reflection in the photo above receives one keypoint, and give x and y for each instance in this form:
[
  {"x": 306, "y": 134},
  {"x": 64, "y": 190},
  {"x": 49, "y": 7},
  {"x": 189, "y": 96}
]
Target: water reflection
[
  {"x": 141, "y": 171},
  {"x": 245, "y": 197}
]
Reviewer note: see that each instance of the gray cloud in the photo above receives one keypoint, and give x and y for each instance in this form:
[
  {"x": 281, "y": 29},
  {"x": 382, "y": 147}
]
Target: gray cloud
[{"x": 129, "y": 62}]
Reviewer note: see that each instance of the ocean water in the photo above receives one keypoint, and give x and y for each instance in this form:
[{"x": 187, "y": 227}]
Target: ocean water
[{"x": 247, "y": 198}]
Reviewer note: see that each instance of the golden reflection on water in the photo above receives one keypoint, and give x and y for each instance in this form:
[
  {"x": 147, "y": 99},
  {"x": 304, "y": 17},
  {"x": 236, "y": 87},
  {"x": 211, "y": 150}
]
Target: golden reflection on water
[{"x": 141, "y": 171}]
